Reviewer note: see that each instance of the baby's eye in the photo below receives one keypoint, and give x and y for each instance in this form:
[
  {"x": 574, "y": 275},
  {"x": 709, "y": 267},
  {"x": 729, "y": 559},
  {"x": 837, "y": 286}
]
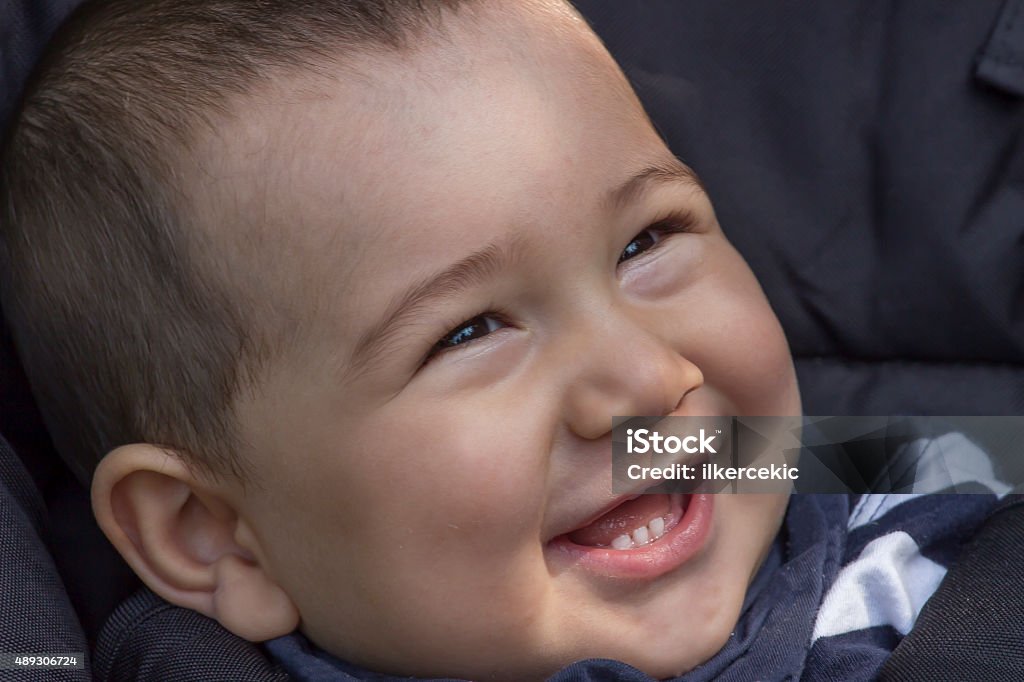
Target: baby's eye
[
  {"x": 467, "y": 331},
  {"x": 647, "y": 239},
  {"x": 652, "y": 236}
]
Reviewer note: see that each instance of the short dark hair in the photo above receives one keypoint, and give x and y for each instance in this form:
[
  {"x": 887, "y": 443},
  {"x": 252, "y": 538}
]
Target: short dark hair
[{"x": 126, "y": 331}]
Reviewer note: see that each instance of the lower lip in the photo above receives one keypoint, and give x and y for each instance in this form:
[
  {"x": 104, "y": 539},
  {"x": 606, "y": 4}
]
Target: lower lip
[{"x": 668, "y": 552}]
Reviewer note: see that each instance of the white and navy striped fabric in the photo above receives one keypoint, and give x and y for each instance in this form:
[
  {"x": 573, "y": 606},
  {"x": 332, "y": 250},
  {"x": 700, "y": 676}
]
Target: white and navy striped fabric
[
  {"x": 898, "y": 549},
  {"x": 844, "y": 582}
]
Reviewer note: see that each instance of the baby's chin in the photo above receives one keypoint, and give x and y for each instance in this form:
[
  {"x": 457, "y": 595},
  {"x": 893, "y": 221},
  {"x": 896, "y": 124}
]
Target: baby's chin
[
  {"x": 677, "y": 655},
  {"x": 686, "y": 644},
  {"x": 674, "y": 644}
]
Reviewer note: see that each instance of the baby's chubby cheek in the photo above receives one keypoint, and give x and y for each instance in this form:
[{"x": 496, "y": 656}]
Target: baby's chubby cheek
[
  {"x": 431, "y": 504},
  {"x": 408, "y": 535},
  {"x": 751, "y": 362},
  {"x": 482, "y": 473}
]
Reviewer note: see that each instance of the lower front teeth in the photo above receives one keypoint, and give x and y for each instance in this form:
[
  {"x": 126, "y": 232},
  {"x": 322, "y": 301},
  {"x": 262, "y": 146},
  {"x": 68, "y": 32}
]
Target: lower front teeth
[
  {"x": 622, "y": 542},
  {"x": 641, "y": 536}
]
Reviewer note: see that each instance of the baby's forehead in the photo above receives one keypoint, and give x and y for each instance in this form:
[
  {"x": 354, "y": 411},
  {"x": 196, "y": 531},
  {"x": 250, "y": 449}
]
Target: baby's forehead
[
  {"x": 385, "y": 101},
  {"x": 368, "y": 156}
]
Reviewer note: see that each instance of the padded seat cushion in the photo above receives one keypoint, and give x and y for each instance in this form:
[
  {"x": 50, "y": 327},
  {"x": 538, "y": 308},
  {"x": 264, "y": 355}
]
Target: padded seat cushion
[
  {"x": 148, "y": 639},
  {"x": 871, "y": 173},
  {"x": 36, "y": 616}
]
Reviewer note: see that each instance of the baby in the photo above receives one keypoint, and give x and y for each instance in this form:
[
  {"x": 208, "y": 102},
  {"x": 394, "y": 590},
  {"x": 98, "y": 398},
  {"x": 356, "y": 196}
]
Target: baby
[{"x": 333, "y": 303}]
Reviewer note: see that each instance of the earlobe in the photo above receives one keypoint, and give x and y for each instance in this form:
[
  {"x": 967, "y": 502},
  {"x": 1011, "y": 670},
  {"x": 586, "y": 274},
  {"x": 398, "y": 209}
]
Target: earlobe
[
  {"x": 249, "y": 604},
  {"x": 186, "y": 542}
]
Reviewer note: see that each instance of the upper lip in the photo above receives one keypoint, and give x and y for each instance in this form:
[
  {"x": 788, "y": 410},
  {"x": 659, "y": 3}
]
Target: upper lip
[
  {"x": 615, "y": 502},
  {"x": 586, "y": 521}
]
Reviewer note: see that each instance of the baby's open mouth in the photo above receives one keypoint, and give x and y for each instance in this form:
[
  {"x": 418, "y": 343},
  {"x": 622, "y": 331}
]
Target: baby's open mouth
[
  {"x": 641, "y": 537},
  {"x": 633, "y": 523}
]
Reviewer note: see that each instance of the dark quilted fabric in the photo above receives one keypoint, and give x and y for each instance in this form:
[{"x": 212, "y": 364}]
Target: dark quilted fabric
[
  {"x": 148, "y": 639},
  {"x": 974, "y": 598},
  {"x": 870, "y": 174},
  {"x": 25, "y": 26},
  {"x": 35, "y": 614}
]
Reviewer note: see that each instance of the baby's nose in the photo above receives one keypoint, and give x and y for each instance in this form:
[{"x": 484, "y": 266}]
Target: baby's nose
[{"x": 642, "y": 376}]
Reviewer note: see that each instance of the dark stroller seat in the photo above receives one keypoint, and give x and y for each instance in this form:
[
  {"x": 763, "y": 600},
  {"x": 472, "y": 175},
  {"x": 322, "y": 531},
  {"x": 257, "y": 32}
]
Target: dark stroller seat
[{"x": 37, "y": 616}]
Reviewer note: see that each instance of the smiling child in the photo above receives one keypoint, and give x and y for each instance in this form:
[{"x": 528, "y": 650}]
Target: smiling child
[{"x": 333, "y": 303}]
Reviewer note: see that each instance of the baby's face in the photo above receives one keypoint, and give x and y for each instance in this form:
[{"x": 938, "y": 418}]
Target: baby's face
[{"x": 499, "y": 254}]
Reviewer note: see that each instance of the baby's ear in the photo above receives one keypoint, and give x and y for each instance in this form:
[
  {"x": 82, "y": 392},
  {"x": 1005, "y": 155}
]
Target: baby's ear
[{"x": 186, "y": 541}]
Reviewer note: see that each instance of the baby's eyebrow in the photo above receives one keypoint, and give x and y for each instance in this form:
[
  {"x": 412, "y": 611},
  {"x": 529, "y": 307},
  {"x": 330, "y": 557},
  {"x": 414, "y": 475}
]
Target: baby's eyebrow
[
  {"x": 470, "y": 271},
  {"x": 664, "y": 172}
]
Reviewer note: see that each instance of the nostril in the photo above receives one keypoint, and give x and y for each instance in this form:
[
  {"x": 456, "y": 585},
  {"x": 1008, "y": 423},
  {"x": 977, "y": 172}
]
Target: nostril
[{"x": 692, "y": 379}]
